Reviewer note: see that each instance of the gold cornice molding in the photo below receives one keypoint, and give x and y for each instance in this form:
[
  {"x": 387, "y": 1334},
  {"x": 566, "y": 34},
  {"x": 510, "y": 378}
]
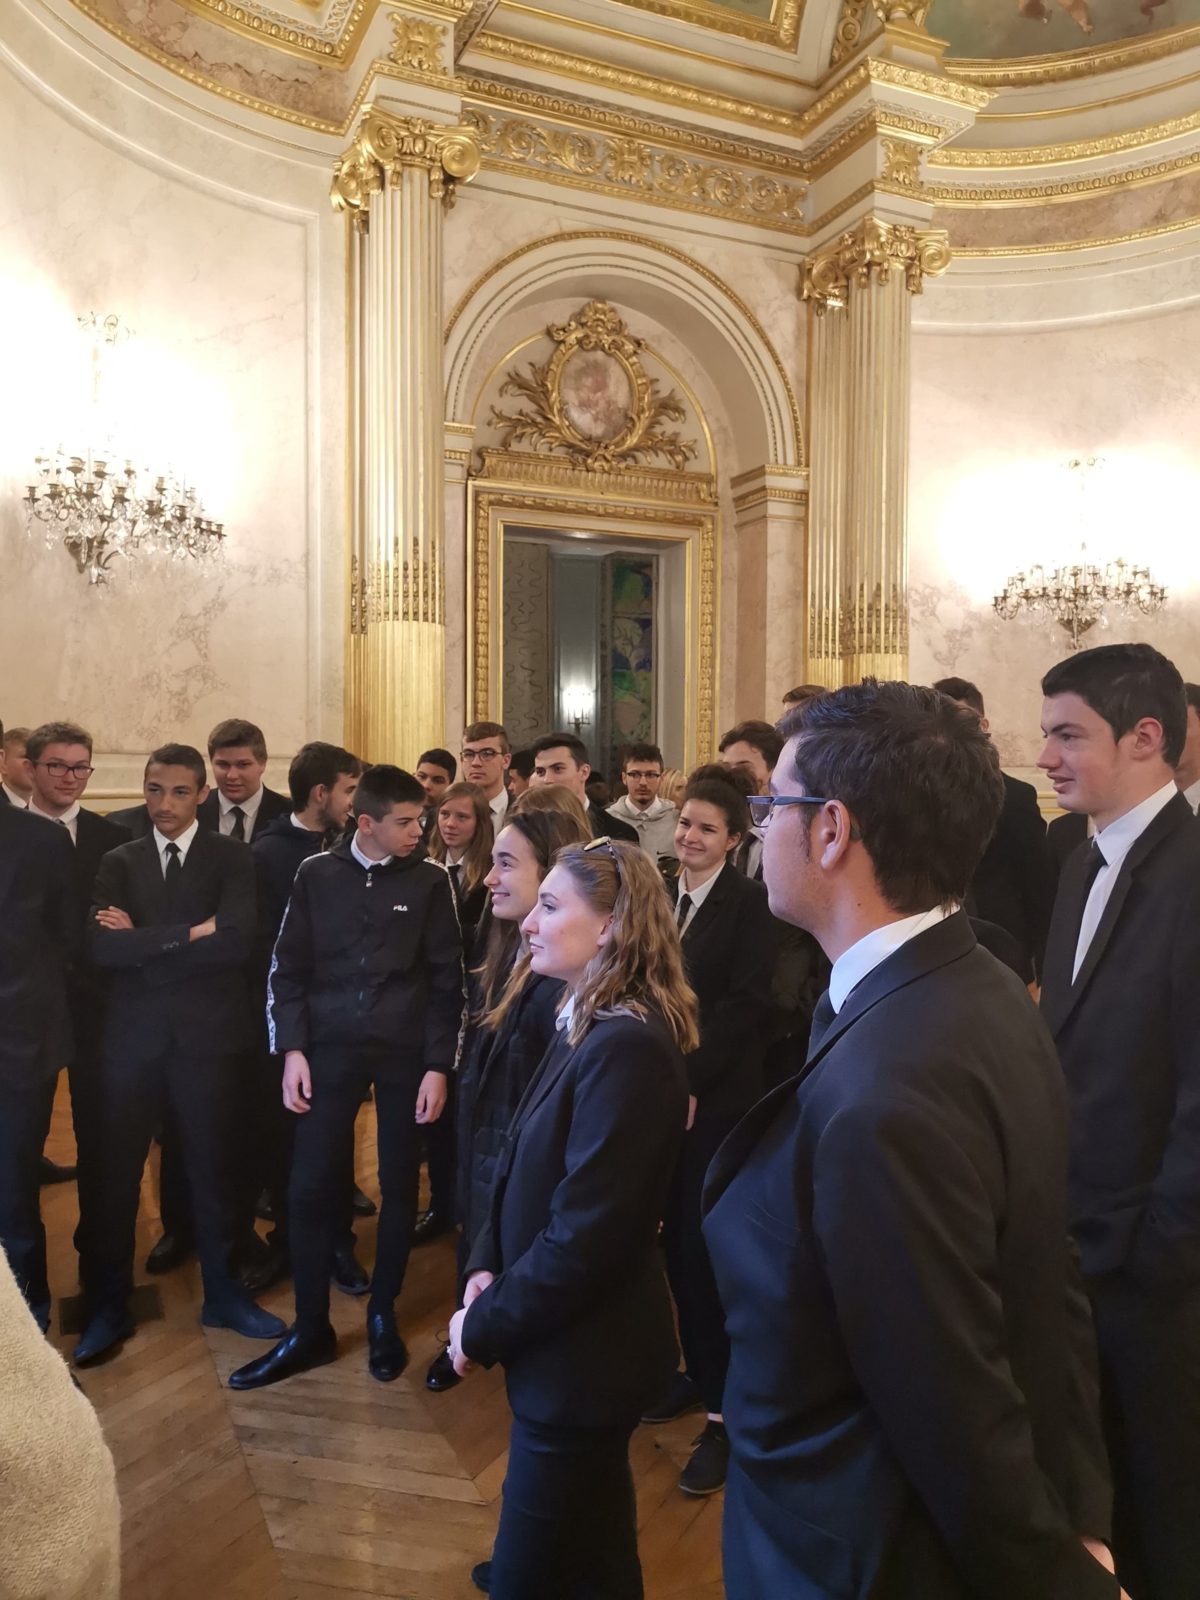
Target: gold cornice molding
[
  {"x": 868, "y": 254},
  {"x": 1074, "y": 150},
  {"x": 933, "y": 86},
  {"x": 385, "y": 144},
  {"x": 782, "y": 28},
  {"x": 1078, "y": 108},
  {"x": 953, "y": 197},
  {"x": 1026, "y": 71},
  {"x": 1111, "y": 242},
  {"x": 628, "y": 485},
  {"x": 659, "y": 248}
]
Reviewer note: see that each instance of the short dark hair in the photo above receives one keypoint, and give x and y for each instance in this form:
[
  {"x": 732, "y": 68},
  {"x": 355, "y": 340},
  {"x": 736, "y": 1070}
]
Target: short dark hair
[
  {"x": 439, "y": 758},
  {"x": 1191, "y": 693},
  {"x": 1124, "y": 683},
  {"x": 522, "y": 763},
  {"x": 487, "y": 730},
  {"x": 919, "y": 776},
  {"x": 963, "y": 690},
  {"x": 760, "y": 736},
  {"x": 237, "y": 731},
  {"x": 180, "y": 755},
  {"x": 733, "y": 777},
  {"x": 384, "y": 786},
  {"x": 803, "y": 693},
  {"x": 316, "y": 764},
  {"x": 56, "y": 733},
  {"x": 569, "y": 741},
  {"x": 729, "y": 798},
  {"x": 642, "y": 752}
]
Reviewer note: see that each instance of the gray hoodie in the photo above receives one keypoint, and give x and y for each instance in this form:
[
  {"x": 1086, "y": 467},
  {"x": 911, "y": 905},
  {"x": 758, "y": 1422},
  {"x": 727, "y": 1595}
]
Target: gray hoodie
[{"x": 655, "y": 826}]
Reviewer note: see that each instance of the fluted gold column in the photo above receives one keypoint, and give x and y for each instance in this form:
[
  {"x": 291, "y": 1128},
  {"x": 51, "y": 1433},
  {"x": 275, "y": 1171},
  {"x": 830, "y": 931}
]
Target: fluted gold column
[
  {"x": 859, "y": 291},
  {"x": 395, "y": 180}
]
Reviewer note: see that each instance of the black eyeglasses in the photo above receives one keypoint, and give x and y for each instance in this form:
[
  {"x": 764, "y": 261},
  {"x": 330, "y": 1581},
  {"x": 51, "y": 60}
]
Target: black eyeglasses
[
  {"x": 605, "y": 843},
  {"x": 60, "y": 769},
  {"x": 479, "y": 755},
  {"x": 762, "y": 805}
]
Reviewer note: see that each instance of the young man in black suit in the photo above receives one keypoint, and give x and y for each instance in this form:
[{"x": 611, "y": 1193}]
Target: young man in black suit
[
  {"x": 14, "y": 780},
  {"x": 563, "y": 758},
  {"x": 58, "y": 758},
  {"x": 1013, "y": 885},
  {"x": 173, "y": 921},
  {"x": 1122, "y": 997},
  {"x": 911, "y": 1398},
  {"x": 40, "y": 935},
  {"x": 365, "y": 989}
]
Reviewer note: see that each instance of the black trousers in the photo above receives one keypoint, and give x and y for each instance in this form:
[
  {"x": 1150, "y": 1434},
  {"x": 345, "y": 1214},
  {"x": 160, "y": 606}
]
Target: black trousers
[
  {"x": 441, "y": 1157},
  {"x": 24, "y": 1123},
  {"x": 702, "y": 1333},
  {"x": 568, "y": 1522},
  {"x": 134, "y": 1097},
  {"x": 253, "y": 1133},
  {"x": 83, "y": 1076},
  {"x": 323, "y": 1143},
  {"x": 1150, "y": 1390}
]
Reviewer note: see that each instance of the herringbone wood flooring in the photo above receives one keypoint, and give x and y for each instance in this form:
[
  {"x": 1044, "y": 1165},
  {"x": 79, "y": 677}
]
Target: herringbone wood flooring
[{"x": 330, "y": 1486}]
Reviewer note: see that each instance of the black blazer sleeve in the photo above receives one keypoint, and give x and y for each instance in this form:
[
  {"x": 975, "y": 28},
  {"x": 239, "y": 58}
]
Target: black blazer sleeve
[
  {"x": 229, "y": 946},
  {"x": 743, "y": 1006},
  {"x": 909, "y": 1246},
  {"x": 625, "y": 1128},
  {"x": 291, "y": 971},
  {"x": 446, "y": 994},
  {"x": 126, "y": 947}
]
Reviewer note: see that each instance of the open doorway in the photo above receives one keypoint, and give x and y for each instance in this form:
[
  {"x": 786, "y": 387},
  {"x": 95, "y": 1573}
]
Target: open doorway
[{"x": 595, "y": 640}]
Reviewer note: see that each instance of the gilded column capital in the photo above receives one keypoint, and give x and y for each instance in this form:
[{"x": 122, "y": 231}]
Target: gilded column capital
[
  {"x": 910, "y": 12},
  {"x": 868, "y": 254},
  {"x": 385, "y": 144}
]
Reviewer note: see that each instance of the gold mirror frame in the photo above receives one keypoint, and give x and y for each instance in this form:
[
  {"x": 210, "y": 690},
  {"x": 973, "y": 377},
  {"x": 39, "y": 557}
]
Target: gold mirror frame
[{"x": 518, "y": 489}]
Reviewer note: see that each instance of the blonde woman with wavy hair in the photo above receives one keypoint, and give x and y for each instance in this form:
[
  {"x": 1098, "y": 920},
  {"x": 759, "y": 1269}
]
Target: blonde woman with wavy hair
[{"x": 565, "y": 1286}]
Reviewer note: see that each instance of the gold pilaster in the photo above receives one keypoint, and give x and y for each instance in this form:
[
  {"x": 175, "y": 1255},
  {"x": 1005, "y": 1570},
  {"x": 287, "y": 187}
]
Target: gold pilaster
[
  {"x": 394, "y": 181},
  {"x": 859, "y": 291}
]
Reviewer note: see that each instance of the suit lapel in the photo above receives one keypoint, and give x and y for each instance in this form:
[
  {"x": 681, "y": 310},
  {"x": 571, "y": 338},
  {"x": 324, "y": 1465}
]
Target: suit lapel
[
  {"x": 149, "y": 870},
  {"x": 711, "y": 907},
  {"x": 945, "y": 942}
]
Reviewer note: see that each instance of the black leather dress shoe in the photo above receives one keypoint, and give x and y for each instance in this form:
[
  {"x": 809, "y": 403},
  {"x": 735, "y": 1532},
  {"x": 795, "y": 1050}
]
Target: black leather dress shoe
[
  {"x": 364, "y": 1206},
  {"x": 387, "y": 1353},
  {"x": 294, "y": 1353},
  {"x": 104, "y": 1332},
  {"x": 705, "y": 1472},
  {"x": 349, "y": 1274},
  {"x": 481, "y": 1576},
  {"x": 441, "y": 1374},
  {"x": 430, "y": 1225},
  {"x": 682, "y": 1397},
  {"x": 170, "y": 1252},
  {"x": 50, "y": 1172},
  {"x": 273, "y": 1268},
  {"x": 235, "y": 1310}
]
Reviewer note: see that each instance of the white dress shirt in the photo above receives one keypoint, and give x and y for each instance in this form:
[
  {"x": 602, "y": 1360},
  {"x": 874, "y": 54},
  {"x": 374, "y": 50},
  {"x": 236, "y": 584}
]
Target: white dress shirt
[
  {"x": 248, "y": 808},
  {"x": 184, "y": 842},
  {"x": 498, "y": 805},
  {"x": 853, "y": 965},
  {"x": 1114, "y": 843},
  {"x": 1192, "y": 795},
  {"x": 69, "y": 818},
  {"x": 698, "y": 896},
  {"x": 365, "y": 860}
]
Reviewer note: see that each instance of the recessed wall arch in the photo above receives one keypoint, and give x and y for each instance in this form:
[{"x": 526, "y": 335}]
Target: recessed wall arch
[{"x": 644, "y": 275}]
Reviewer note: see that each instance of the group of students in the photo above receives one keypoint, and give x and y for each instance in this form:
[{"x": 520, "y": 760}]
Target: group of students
[{"x": 855, "y": 1218}]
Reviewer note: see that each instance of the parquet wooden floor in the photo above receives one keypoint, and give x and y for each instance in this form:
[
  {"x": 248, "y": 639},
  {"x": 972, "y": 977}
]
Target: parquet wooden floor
[{"x": 330, "y": 1486}]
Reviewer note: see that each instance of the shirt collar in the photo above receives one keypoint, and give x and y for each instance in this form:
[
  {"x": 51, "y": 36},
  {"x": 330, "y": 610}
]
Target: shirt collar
[
  {"x": 365, "y": 860},
  {"x": 700, "y": 895},
  {"x": 1119, "y": 837},
  {"x": 184, "y": 841},
  {"x": 68, "y": 816},
  {"x": 853, "y": 965},
  {"x": 564, "y": 1018},
  {"x": 248, "y": 808},
  {"x": 499, "y": 803},
  {"x": 1192, "y": 795},
  {"x": 14, "y": 797}
]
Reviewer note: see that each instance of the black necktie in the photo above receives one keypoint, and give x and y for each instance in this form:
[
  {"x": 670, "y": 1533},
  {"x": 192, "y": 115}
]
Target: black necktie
[
  {"x": 823, "y": 1018},
  {"x": 174, "y": 871},
  {"x": 238, "y": 831},
  {"x": 1095, "y": 860},
  {"x": 685, "y": 906}
]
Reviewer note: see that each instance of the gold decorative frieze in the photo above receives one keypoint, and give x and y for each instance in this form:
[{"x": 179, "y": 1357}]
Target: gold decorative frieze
[
  {"x": 849, "y": 32},
  {"x": 419, "y": 47},
  {"x": 404, "y": 589},
  {"x": 782, "y": 27},
  {"x": 619, "y": 163},
  {"x": 1026, "y": 71},
  {"x": 1024, "y": 194},
  {"x": 524, "y": 468},
  {"x": 593, "y": 400},
  {"x": 901, "y": 163},
  {"x": 1071, "y": 150},
  {"x": 869, "y": 253},
  {"x": 386, "y": 144}
]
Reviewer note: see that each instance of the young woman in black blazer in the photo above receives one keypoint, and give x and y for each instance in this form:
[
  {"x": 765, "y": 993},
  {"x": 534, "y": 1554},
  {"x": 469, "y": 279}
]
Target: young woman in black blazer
[
  {"x": 730, "y": 945},
  {"x": 511, "y": 1013},
  {"x": 565, "y": 1285}
]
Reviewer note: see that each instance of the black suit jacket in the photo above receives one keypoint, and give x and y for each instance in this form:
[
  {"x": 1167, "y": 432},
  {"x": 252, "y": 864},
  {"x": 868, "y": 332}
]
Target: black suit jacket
[
  {"x": 87, "y": 986},
  {"x": 1013, "y": 885},
  {"x": 911, "y": 1396},
  {"x": 605, "y": 826},
  {"x": 1063, "y": 837},
  {"x": 270, "y": 807},
  {"x": 729, "y": 951},
  {"x": 168, "y": 992},
  {"x": 40, "y": 936},
  {"x": 1128, "y": 1035},
  {"x": 579, "y": 1313}
]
